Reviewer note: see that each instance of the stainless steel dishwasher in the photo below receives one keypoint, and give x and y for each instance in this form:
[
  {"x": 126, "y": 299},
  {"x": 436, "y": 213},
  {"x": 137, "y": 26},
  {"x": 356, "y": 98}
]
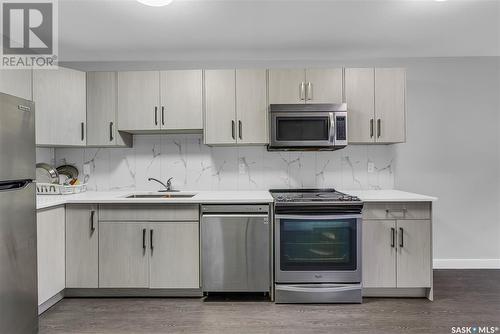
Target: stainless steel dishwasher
[{"x": 236, "y": 250}]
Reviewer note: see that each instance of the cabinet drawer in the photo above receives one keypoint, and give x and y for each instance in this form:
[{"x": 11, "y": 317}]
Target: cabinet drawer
[
  {"x": 148, "y": 212},
  {"x": 408, "y": 210}
]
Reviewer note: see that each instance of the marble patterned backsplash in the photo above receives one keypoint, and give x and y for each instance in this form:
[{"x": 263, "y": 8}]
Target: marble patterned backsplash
[{"x": 195, "y": 166}]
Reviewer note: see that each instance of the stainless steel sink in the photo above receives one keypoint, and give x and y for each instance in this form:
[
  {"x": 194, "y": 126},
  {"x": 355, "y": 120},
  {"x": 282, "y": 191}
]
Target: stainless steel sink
[{"x": 166, "y": 196}]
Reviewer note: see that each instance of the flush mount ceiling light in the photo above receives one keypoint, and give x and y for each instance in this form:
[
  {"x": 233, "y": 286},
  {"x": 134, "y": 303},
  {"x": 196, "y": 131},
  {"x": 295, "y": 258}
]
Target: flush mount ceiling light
[{"x": 155, "y": 3}]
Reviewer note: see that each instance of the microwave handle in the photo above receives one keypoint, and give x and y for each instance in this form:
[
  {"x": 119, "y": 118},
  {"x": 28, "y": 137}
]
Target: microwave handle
[{"x": 332, "y": 128}]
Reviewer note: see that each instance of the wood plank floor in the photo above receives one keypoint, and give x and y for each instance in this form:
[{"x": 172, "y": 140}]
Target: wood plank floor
[{"x": 462, "y": 298}]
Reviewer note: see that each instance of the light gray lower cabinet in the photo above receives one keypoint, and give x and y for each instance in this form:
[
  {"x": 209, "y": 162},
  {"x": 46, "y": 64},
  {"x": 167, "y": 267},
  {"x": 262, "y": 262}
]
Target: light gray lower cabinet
[
  {"x": 174, "y": 251},
  {"x": 397, "y": 249},
  {"x": 82, "y": 252},
  {"x": 123, "y": 255},
  {"x": 50, "y": 252}
]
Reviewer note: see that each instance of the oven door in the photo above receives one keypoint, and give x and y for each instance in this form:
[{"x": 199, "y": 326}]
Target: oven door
[
  {"x": 297, "y": 129},
  {"x": 318, "y": 249}
]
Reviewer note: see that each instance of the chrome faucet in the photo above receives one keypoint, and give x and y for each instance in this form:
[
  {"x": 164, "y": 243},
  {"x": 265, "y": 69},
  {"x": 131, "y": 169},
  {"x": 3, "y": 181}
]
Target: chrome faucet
[{"x": 168, "y": 186}]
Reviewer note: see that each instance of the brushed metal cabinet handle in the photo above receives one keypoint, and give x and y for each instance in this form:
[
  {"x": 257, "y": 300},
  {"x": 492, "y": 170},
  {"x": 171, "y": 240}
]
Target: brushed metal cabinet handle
[
  {"x": 379, "y": 128},
  {"x": 240, "y": 130},
  {"x": 233, "y": 130},
  {"x": 156, "y": 115},
  {"x": 92, "y": 221},
  {"x": 111, "y": 138},
  {"x": 82, "y": 127},
  {"x": 401, "y": 242},
  {"x": 302, "y": 91},
  {"x": 162, "y": 115},
  {"x": 309, "y": 92},
  {"x": 371, "y": 128}
]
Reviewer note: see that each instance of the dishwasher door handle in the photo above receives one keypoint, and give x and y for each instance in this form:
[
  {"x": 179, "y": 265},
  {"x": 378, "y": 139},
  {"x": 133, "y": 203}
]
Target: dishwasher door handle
[{"x": 211, "y": 215}]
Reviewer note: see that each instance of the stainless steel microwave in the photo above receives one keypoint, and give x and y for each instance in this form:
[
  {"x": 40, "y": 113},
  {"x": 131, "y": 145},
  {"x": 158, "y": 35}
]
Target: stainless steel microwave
[{"x": 308, "y": 126}]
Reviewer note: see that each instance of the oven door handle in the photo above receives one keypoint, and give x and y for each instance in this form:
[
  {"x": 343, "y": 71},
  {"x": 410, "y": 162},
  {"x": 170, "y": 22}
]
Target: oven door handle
[
  {"x": 316, "y": 288},
  {"x": 317, "y": 217}
]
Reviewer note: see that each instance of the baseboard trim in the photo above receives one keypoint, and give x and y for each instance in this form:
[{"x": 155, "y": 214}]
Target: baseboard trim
[
  {"x": 126, "y": 292},
  {"x": 50, "y": 302},
  {"x": 466, "y": 263}
]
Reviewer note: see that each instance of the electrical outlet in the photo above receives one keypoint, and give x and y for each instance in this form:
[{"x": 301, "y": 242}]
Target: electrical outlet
[
  {"x": 242, "y": 168},
  {"x": 86, "y": 169},
  {"x": 371, "y": 167}
]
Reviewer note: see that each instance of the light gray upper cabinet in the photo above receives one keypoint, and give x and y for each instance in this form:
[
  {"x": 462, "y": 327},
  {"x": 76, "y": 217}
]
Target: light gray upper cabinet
[
  {"x": 390, "y": 105},
  {"x": 139, "y": 101},
  {"x": 102, "y": 111},
  {"x": 305, "y": 86},
  {"x": 324, "y": 85},
  {"x": 60, "y": 104},
  {"x": 17, "y": 83},
  {"x": 181, "y": 100},
  {"x": 251, "y": 107},
  {"x": 82, "y": 246},
  {"x": 360, "y": 97},
  {"x": 287, "y": 86},
  {"x": 376, "y": 105},
  {"x": 152, "y": 101},
  {"x": 220, "y": 107},
  {"x": 235, "y": 107}
]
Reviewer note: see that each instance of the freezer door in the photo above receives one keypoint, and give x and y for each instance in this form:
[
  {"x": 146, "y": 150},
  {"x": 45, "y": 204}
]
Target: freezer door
[
  {"x": 18, "y": 278},
  {"x": 236, "y": 253},
  {"x": 17, "y": 138}
]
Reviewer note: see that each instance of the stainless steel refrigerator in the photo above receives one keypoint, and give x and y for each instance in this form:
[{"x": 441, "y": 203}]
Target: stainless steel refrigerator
[{"x": 18, "y": 258}]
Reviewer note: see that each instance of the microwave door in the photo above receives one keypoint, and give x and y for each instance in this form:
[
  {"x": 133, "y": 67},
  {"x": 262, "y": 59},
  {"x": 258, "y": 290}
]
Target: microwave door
[{"x": 302, "y": 130}]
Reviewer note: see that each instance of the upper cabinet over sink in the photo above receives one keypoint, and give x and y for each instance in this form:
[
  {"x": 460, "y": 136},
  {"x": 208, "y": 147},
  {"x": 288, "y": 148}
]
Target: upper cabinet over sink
[
  {"x": 305, "y": 86},
  {"x": 376, "y": 103},
  {"x": 160, "y": 101}
]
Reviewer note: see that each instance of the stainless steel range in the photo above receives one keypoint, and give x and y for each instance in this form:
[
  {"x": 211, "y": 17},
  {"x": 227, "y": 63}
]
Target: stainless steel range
[{"x": 317, "y": 246}]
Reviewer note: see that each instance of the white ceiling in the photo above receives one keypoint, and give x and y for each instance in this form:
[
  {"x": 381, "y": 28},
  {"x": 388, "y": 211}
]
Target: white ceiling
[{"x": 125, "y": 30}]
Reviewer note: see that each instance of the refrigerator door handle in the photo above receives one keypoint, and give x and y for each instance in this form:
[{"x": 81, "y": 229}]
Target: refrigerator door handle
[{"x": 14, "y": 185}]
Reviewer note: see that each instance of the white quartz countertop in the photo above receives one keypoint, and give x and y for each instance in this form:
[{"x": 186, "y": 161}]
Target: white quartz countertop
[
  {"x": 201, "y": 197},
  {"x": 389, "y": 195},
  {"x": 208, "y": 197}
]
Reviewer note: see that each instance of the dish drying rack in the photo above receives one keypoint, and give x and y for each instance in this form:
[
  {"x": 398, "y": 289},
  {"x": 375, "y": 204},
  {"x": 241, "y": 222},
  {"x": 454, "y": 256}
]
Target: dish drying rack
[{"x": 59, "y": 189}]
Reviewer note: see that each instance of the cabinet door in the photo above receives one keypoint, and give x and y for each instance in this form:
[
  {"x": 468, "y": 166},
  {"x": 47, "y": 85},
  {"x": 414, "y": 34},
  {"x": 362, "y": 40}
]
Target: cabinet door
[
  {"x": 139, "y": 101},
  {"x": 390, "y": 87},
  {"x": 82, "y": 242},
  {"x": 414, "y": 253},
  {"x": 123, "y": 255},
  {"x": 181, "y": 100},
  {"x": 17, "y": 83},
  {"x": 324, "y": 85},
  {"x": 102, "y": 111},
  {"x": 50, "y": 253},
  {"x": 287, "y": 86},
  {"x": 220, "y": 108},
  {"x": 174, "y": 248},
  {"x": 359, "y": 96},
  {"x": 251, "y": 106},
  {"x": 60, "y": 105},
  {"x": 379, "y": 253}
]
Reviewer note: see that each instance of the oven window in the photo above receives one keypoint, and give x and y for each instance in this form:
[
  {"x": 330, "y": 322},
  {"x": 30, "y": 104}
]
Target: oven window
[
  {"x": 317, "y": 245},
  {"x": 302, "y": 129}
]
